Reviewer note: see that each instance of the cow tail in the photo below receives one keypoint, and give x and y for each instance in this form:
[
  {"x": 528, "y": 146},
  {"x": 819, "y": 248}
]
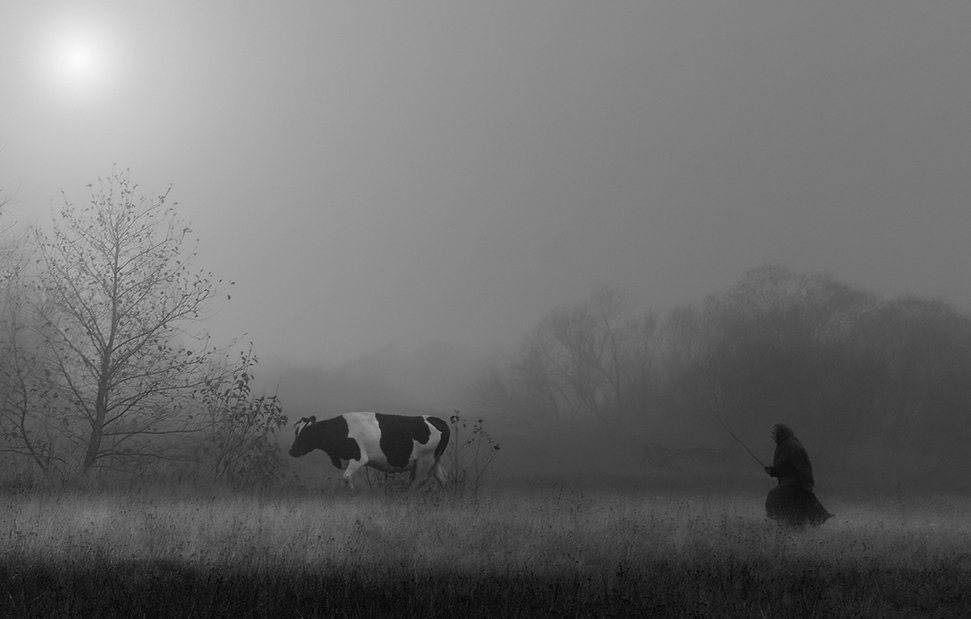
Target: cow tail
[{"x": 442, "y": 427}]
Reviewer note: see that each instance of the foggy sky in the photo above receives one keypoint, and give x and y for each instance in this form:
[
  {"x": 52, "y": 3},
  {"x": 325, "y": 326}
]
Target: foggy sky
[{"x": 416, "y": 172}]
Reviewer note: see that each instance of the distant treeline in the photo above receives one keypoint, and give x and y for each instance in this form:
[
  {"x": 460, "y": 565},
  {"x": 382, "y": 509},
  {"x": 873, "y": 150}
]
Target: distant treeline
[
  {"x": 106, "y": 367},
  {"x": 878, "y": 388}
]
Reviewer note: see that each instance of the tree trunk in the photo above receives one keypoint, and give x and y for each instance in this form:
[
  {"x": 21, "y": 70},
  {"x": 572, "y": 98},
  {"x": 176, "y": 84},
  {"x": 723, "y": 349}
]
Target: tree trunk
[{"x": 97, "y": 428}]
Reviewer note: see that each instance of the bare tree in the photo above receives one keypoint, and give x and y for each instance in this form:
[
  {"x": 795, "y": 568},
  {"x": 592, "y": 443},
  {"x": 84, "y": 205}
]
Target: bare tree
[
  {"x": 592, "y": 360},
  {"x": 119, "y": 308},
  {"x": 28, "y": 404}
]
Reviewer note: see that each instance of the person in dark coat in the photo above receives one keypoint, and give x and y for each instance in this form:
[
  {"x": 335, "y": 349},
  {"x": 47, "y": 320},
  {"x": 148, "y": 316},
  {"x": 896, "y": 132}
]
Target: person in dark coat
[{"x": 792, "y": 501}]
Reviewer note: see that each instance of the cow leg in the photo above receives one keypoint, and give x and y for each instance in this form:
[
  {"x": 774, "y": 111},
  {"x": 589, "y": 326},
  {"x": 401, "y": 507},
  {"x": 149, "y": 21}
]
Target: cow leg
[
  {"x": 352, "y": 467},
  {"x": 439, "y": 471},
  {"x": 423, "y": 467}
]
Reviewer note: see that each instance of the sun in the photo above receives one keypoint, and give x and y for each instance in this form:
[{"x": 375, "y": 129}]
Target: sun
[{"x": 80, "y": 60}]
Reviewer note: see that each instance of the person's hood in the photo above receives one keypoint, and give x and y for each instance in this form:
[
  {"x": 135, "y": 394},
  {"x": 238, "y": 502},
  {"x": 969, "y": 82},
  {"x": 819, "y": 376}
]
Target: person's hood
[{"x": 782, "y": 432}]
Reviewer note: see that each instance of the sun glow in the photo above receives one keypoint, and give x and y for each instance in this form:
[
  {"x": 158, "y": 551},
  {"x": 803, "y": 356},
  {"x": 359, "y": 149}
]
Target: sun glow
[{"x": 80, "y": 60}]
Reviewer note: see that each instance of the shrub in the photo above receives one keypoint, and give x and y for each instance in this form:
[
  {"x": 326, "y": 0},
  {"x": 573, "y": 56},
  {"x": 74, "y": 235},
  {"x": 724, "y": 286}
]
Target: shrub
[{"x": 470, "y": 452}]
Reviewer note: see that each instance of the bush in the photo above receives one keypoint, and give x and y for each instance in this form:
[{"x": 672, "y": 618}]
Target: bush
[{"x": 470, "y": 452}]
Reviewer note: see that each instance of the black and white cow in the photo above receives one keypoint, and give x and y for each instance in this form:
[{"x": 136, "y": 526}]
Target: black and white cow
[{"x": 389, "y": 443}]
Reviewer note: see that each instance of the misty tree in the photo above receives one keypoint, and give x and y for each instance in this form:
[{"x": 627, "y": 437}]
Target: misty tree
[
  {"x": 876, "y": 386},
  {"x": 914, "y": 357},
  {"x": 238, "y": 446},
  {"x": 5, "y": 195},
  {"x": 28, "y": 405},
  {"x": 532, "y": 383},
  {"x": 601, "y": 354},
  {"x": 118, "y": 307},
  {"x": 593, "y": 359},
  {"x": 771, "y": 348},
  {"x": 25, "y": 423}
]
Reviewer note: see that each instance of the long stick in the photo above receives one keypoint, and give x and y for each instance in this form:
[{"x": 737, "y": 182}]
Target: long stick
[{"x": 737, "y": 440}]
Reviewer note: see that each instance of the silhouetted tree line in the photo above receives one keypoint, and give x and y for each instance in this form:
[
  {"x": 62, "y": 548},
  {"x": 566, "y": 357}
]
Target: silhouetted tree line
[
  {"x": 105, "y": 365},
  {"x": 879, "y": 387},
  {"x": 104, "y": 361}
]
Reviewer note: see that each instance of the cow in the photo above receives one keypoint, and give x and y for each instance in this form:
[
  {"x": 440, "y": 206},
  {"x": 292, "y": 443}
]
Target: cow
[{"x": 389, "y": 443}]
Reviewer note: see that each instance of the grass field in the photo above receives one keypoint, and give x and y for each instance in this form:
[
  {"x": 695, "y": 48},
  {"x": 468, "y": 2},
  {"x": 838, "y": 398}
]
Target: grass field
[{"x": 509, "y": 553}]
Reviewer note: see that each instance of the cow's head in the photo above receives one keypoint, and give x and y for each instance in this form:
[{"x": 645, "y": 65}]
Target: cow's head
[{"x": 303, "y": 442}]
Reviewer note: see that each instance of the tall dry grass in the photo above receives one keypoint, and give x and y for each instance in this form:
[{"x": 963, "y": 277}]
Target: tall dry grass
[{"x": 187, "y": 553}]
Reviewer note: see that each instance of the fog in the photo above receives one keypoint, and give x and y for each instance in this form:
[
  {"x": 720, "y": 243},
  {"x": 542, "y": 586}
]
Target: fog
[
  {"x": 417, "y": 201},
  {"x": 403, "y": 174}
]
